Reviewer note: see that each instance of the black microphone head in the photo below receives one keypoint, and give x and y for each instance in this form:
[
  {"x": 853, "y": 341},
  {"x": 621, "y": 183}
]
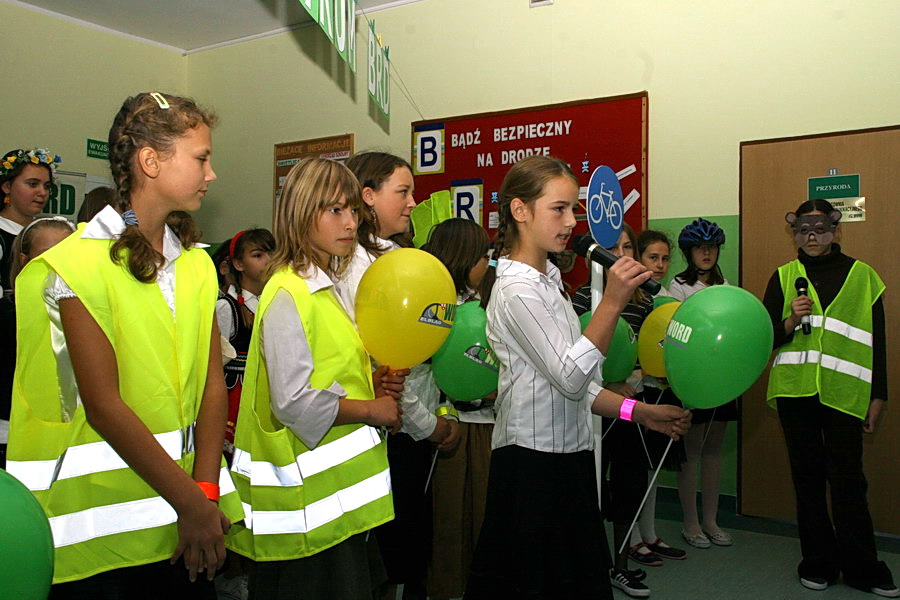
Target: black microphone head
[
  {"x": 801, "y": 284},
  {"x": 582, "y": 243}
]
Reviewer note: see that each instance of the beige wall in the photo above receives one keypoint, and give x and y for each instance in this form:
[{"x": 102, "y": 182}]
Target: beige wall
[
  {"x": 717, "y": 73},
  {"x": 63, "y": 83}
]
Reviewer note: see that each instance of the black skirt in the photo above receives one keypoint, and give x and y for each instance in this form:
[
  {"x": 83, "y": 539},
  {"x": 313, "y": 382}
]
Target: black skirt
[{"x": 542, "y": 535}]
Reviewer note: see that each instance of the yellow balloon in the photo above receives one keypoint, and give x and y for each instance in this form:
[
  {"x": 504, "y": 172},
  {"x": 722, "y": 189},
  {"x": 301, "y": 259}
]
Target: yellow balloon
[
  {"x": 650, "y": 339},
  {"x": 405, "y": 306}
]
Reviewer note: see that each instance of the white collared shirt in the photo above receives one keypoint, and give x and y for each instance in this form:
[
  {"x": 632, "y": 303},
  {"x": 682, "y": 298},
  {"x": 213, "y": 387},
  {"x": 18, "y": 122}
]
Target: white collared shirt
[
  {"x": 349, "y": 283},
  {"x": 227, "y": 326},
  {"x": 546, "y": 364},
  {"x": 307, "y": 411}
]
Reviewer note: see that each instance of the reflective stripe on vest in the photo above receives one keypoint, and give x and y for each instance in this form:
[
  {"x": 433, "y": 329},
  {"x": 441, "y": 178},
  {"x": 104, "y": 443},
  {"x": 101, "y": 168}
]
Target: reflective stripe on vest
[
  {"x": 307, "y": 464},
  {"x": 87, "y": 459},
  {"x": 319, "y": 513},
  {"x": 841, "y": 328},
  {"x": 826, "y": 362},
  {"x": 100, "y": 521}
]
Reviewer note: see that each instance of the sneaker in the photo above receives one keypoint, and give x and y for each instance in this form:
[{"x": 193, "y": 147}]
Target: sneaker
[
  {"x": 663, "y": 550},
  {"x": 622, "y": 579},
  {"x": 697, "y": 541},
  {"x": 814, "y": 583},
  {"x": 887, "y": 591},
  {"x": 641, "y": 554}
]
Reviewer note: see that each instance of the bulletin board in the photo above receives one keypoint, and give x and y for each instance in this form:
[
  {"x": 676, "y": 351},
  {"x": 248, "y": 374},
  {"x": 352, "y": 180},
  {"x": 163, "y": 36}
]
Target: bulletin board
[
  {"x": 469, "y": 156},
  {"x": 288, "y": 154}
]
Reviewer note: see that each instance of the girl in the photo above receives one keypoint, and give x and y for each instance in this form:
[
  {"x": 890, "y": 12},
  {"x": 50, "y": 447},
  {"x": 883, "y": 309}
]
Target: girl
[
  {"x": 700, "y": 242},
  {"x": 654, "y": 249},
  {"x": 405, "y": 543},
  {"x": 624, "y": 455},
  {"x": 542, "y": 535},
  {"x": 36, "y": 237},
  {"x": 128, "y": 402},
  {"x": 249, "y": 253},
  {"x": 824, "y": 411},
  {"x": 319, "y": 476},
  {"x": 460, "y": 478},
  {"x": 25, "y": 180}
]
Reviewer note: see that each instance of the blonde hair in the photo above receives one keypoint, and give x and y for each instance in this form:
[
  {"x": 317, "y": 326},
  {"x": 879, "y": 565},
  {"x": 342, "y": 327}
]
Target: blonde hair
[{"x": 310, "y": 188}]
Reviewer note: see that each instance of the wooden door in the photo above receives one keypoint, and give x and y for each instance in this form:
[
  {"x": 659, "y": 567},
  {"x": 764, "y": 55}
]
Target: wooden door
[{"x": 774, "y": 177}]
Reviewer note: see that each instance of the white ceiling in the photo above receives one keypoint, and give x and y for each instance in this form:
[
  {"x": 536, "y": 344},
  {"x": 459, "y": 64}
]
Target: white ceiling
[{"x": 189, "y": 25}]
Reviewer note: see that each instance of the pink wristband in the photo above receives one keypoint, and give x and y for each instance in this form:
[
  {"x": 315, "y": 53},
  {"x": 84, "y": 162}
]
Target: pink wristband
[{"x": 627, "y": 408}]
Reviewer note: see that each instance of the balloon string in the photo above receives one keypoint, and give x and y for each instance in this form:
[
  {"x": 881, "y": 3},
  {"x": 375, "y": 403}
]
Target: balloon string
[
  {"x": 644, "y": 501},
  {"x": 430, "y": 471},
  {"x": 708, "y": 429}
]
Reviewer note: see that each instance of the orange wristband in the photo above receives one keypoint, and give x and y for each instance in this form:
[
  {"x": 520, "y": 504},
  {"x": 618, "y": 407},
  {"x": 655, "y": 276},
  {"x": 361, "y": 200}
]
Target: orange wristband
[{"x": 210, "y": 489}]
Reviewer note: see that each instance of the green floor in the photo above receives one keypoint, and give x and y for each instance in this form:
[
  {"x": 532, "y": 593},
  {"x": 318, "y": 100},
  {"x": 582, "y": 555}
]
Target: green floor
[{"x": 761, "y": 564}]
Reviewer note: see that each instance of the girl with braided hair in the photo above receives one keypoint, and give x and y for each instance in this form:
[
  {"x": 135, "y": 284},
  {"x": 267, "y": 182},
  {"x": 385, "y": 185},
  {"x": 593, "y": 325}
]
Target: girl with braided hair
[
  {"x": 126, "y": 404},
  {"x": 543, "y": 536}
]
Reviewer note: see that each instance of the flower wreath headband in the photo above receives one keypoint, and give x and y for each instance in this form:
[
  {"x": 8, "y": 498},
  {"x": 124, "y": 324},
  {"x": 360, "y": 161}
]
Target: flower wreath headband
[{"x": 38, "y": 156}]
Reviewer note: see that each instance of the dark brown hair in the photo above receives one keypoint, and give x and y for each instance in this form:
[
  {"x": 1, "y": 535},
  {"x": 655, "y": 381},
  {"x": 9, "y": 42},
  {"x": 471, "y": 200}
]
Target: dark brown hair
[
  {"x": 526, "y": 181},
  {"x": 94, "y": 201},
  {"x": 459, "y": 244},
  {"x": 651, "y": 236},
  {"x": 372, "y": 169},
  {"x": 22, "y": 243},
  {"x": 141, "y": 122}
]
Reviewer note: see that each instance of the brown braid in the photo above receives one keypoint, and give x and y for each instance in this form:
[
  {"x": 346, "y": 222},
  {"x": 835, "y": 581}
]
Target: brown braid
[
  {"x": 141, "y": 123},
  {"x": 526, "y": 181}
]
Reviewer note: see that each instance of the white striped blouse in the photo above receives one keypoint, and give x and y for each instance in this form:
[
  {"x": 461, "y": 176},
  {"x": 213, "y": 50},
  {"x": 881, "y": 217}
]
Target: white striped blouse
[{"x": 546, "y": 364}]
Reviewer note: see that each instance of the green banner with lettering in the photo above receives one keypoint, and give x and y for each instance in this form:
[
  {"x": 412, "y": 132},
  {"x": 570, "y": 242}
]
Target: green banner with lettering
[{"x": 337, "y": 18}]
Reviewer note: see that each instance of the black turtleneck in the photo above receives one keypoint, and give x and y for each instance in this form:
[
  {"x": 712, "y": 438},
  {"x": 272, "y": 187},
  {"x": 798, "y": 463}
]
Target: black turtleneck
[{"x": 827, "y": 274}]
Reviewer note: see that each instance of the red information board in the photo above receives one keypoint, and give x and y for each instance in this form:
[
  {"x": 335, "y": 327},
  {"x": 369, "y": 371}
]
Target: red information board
[{"x": 470, "y": 155}]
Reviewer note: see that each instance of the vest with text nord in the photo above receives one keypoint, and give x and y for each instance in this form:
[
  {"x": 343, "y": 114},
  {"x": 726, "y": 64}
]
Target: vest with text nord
[
  {"x": 102, "y": 514},
  {"x": 835, "y": 359},
  {"x": 298, "y": 500}
]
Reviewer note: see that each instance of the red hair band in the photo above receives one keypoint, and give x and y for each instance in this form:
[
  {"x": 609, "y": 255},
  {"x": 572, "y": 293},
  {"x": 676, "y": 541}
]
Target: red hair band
[{"x": 233, "y": 243}]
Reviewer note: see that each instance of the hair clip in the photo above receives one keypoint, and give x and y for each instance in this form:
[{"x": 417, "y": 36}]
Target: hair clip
[
  {"x": 492, "y": 263},
  {"x": 160, "y": 99},
  {"x": 129, "y": 217}
]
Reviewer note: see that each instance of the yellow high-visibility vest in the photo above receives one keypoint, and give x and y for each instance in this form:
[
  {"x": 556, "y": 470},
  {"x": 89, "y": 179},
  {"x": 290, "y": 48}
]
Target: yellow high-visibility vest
[
  {"x": 299, "y": 501},
  {"x": 835, "y": 359},
  {"x": 102, "y": 514}
]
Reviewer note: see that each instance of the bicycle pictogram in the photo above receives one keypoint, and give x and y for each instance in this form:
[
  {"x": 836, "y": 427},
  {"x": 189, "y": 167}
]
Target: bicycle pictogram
[{"x": 605, "y": 204}]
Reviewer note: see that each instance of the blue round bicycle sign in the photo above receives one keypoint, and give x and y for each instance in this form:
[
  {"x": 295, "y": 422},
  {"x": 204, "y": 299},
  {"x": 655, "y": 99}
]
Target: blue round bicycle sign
[{"x": 605, "y": 210}]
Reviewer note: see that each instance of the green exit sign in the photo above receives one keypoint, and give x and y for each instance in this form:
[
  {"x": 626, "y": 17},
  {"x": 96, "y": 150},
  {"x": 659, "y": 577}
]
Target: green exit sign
[{"x": 97, "y": 149}]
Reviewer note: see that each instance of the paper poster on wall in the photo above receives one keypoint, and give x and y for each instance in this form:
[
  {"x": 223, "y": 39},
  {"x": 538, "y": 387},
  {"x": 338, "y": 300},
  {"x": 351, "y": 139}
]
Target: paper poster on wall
[
  {"x": 288, "y": 154},
  {"x": 585, "y": 134},
  {"x": 66, "y": 195}
]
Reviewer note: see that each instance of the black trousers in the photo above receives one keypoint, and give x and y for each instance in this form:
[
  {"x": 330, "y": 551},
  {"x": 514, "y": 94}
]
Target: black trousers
[
  {"x": 405, "y": 542},
  {"x": 825, "y": 446}
]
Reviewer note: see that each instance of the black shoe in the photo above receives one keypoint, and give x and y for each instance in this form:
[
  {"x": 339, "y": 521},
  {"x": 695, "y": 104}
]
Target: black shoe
[
  {"x": 628, "y": 583},
  {"x": 664, "y": 550}
]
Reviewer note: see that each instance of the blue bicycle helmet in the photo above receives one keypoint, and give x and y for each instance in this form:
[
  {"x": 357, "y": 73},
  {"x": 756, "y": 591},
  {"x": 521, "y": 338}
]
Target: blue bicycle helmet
[{"x": 700, "y": 233}]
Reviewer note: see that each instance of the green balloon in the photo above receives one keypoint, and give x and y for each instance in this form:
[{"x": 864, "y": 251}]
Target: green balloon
[
  {"x": 26, "y": 571},
  {"x": 660, "y": 300},
  {"x": 622, "y": 354},
  {"x": 465, "y": 367},
  {"x": 717, "y": 345}
]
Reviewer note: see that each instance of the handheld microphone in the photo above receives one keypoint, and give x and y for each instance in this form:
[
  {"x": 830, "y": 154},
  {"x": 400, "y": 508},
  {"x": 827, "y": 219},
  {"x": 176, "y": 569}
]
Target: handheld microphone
[
  {"x": 584, "y": 245},
  {"x": 801, "y": 285}
]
